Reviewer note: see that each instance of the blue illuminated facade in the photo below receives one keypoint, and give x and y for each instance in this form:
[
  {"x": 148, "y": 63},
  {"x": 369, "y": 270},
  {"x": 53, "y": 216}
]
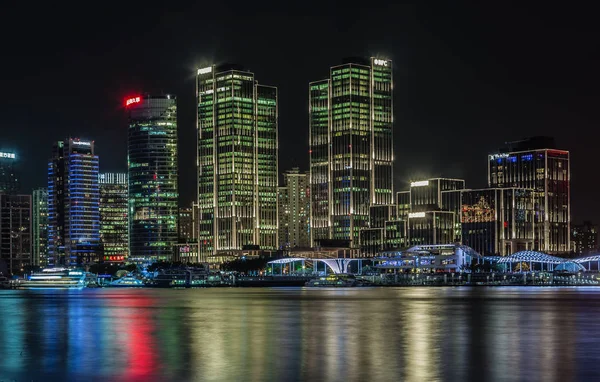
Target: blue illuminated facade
[{"x": 73, "y": 204}]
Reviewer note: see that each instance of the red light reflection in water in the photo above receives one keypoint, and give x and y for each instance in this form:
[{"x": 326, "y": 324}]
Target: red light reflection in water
[{"x": 137, "y": 341}]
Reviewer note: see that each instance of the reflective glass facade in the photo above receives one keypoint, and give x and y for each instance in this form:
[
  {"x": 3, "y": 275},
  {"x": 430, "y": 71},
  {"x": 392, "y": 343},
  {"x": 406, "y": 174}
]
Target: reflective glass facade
[
  {"x": 152, "y": 177},
  {"x": 15, "y": 231},
  {"x": 40, "y": 227},
  {"x": 114, "y": 222},
  {"x": 351, "y": 156},
  {"x": 547, "y": 172},
  {"x": 237, "y": 161},
  {"x": 73, "y": 204}
]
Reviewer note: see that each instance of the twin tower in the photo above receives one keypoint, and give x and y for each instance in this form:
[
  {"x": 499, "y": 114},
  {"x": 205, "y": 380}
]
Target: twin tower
[{"x": 351, "y": 157}]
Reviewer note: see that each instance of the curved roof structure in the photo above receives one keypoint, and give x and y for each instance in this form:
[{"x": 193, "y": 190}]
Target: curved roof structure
[
  {"x": 585, "y": 259},
  {"x": 531, "y": 256},
  {"x": 570, "y": 266}
]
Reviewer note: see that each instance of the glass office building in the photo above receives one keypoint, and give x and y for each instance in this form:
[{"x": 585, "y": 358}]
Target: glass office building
[
  {"x": 39, "y": 226},
  {"x": 114, "y": 216},
  {"x": 9, "y": 181},
  {"x": 152, "y": 177},
  {"x": 351, "y": 153},
  {"x": 73, "y": 204},
  {"x": 237, "y": 161},
  {"x": 535, "y": 163}
]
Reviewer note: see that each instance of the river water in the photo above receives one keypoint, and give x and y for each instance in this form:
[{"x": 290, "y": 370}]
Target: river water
[{"x": 300, "y": 334}]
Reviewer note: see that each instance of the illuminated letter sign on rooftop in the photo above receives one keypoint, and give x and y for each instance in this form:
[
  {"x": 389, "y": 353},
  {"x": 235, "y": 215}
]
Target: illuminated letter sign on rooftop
[
  {"x": 498, "y": 156},
  {"x": 82, "y": 143},
  {"x": 381, "y": 62},
  {"x": 420, "y": 183},
  {"x": 416, "y": 215},
  {"x": 7, "y": 155},
  {"x": 132, "y": 100},
  {"x": 205, "y": 70}
]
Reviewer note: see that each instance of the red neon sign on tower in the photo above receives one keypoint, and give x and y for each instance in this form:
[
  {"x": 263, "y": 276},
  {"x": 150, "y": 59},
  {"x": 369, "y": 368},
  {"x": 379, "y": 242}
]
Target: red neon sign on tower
[{"x": 132, "y": 100}]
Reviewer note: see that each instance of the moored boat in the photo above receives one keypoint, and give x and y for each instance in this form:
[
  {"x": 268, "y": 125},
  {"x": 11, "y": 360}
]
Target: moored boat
[{"x": 58, "y": 278}]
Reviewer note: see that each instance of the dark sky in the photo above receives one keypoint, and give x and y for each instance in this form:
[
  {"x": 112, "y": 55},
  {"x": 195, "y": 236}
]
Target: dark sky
[{"x": 467, "y": 77}]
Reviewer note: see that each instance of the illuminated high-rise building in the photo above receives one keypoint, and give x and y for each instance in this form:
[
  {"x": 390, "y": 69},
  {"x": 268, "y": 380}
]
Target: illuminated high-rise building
[
  {"x": 294, "y": 210},
  {"x": 9, "y": 182},
  {"x": 585, "y": 238},
  {"x": 15, "y": 231},
  {"x": 39, "y": 226},
  {"x": 152, "y": 174},
  {"x": 114, "y": 216},
  {"x": 351, "y": 153},
  {"x": 535, "y": 163},
  {"x": 73, "y": 204},
  {"x": 237, "y": 161}
]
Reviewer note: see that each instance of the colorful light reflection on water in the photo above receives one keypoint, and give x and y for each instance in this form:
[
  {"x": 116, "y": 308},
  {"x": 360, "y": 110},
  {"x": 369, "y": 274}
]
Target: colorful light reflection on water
[{"x": 411, "y": 334}]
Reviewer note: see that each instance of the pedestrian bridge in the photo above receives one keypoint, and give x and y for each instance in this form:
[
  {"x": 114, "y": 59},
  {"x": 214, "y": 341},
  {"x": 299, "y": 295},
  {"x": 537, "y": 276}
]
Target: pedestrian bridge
[{"x": 335, "y": 265}]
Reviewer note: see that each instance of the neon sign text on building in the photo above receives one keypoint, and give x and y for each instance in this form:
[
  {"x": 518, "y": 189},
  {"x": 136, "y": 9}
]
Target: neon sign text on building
[
  {"x": 132, "y": 100},
  {"x": 416, "y": 215},
  {"x": 7, "y": 155},
  {"x": 205, "y": 70},
  {"x": 82, "y": 143},
  {"x": 381, "y": 62}
]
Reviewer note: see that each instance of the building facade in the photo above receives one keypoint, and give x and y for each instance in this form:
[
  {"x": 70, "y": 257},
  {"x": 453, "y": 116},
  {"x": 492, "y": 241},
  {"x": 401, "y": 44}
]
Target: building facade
[
  {"x": 535, "y": 163},
  {"x": 585, "y": 238},
  {"x": 351, "y": 153},
  {"x": 294, "y": 210},
  {"x": 498, "y": 221},
  {"x": 237, "y": 161},
  {"x": 186, "y": 225},
  {"x": 39, "y": 226},
  {"x": 15, "y": 231},
  {"x": 9, "y": 181},
  {"x": 114, "y": 221},
  {"x": 73, "y": 204},
  {"x": 152, "y": 176}
]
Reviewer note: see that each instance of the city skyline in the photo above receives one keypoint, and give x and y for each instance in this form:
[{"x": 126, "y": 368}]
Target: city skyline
[{"x": 480, "y": 97}]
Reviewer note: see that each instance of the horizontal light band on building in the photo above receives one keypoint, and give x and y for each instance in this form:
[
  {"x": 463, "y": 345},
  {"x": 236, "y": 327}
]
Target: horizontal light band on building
[{"x": 416, "y": 215}]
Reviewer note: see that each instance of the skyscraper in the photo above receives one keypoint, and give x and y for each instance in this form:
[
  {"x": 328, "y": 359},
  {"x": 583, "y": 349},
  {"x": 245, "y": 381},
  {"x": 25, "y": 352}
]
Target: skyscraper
[
  {"x": 152, "y": 166},
  {"x": 73, "y": 203},
  {"x": 536, "y": 163},
  {"x": 114, "y": 216},
  {"x": 9, "y": 182},
  {"x": 237, "y": 161},
  {"x": 294, "y": 210},
  {"x": 351, "y": 153},
  {"x": 15, "y": 231},
  {"x": 39, "y": 217}
]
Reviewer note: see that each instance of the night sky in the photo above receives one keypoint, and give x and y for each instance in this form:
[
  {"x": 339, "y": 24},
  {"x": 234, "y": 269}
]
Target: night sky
[{"x": 467, "y": 78}]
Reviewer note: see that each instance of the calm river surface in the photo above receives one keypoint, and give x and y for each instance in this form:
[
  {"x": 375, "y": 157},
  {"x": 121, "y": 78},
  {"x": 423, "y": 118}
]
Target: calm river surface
[{"x": 299, "y": 334}]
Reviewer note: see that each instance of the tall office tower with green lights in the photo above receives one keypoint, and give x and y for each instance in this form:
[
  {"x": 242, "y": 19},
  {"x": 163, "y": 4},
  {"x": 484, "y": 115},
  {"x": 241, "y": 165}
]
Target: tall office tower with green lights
[
  {"x": 152, "y": 177},
  {"x": 351, "y": 151},
  {"x": 237, "y": 161},
  {"x": 113, "y": 216}
]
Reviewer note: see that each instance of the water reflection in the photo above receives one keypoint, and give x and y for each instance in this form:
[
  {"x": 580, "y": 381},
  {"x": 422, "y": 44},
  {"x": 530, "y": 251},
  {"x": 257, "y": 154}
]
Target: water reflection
[{"x": 411, "y": 334}]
